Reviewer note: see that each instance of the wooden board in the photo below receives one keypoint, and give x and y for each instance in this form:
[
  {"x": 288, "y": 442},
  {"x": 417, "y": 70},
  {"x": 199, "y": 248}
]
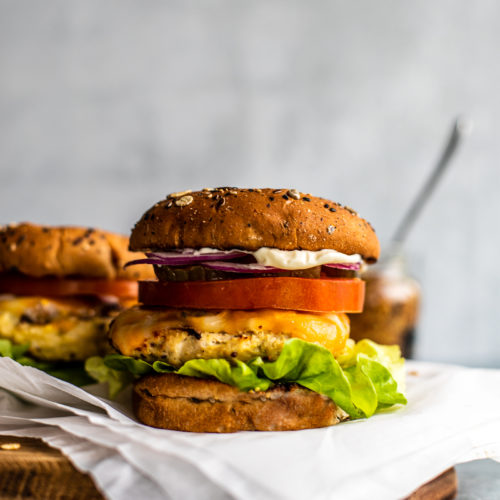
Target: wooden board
[
  {"x": 37, "y": 471},
  {"x": 29, "y": 469},
  {"x": 443, "y": 487}
]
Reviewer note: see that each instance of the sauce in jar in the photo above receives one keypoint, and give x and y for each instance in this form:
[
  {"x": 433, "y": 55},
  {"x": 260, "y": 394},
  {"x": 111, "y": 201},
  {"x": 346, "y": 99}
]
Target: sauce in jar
[{"x": 391, "y": 307}]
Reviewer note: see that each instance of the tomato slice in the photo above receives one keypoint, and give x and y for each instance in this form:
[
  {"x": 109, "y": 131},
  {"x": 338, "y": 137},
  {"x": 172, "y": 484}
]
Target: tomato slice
[
  {"x": 57, "y": 287},
  {"x": 297, "y": 294}
]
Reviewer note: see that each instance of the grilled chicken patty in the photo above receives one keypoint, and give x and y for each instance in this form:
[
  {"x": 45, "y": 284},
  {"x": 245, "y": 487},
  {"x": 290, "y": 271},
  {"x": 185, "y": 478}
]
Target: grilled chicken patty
[
  {"x": 175, "y": 346},
  {"x": 56, "y": 330},
  {"x": 176, "y": 336}
]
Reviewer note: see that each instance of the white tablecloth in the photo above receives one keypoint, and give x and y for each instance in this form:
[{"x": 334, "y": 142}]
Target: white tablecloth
[{"x": 453, "y": 416}]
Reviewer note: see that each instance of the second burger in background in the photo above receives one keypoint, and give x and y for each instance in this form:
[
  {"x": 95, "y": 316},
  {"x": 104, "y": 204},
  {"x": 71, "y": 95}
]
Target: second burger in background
[
  {"x": 246, "y": 328},
  {"x": 60, "y": 287}
]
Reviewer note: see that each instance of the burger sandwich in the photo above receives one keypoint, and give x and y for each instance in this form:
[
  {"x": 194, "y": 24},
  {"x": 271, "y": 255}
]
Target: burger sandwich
[
  {"x": 60, "y": 287},
  {"x": 246, "y": 327}
]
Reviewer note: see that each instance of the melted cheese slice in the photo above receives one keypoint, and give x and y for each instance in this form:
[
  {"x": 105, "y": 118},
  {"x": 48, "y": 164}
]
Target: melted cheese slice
[
  {"x": 137, "y": 326},
  {"x": 67, "y": 337},
  {"x": 18, "y": 305}
]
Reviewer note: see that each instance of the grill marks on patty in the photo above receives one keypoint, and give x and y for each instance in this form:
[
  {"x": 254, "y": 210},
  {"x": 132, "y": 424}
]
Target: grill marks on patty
[{"x": 179, "y": 345}]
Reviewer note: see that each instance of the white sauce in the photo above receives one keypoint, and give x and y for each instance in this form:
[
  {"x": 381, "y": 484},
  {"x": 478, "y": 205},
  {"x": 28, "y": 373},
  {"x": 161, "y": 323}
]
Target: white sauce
[
  {"x": 293, "y": 259},
  {"x": 302, "y": 259}
]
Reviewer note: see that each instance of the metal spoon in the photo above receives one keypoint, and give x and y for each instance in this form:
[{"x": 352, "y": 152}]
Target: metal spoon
[{"x": 461, "y": 128}]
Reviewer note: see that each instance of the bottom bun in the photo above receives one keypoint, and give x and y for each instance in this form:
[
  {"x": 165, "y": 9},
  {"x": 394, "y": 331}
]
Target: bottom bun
[{"x": 181, "y": 403}]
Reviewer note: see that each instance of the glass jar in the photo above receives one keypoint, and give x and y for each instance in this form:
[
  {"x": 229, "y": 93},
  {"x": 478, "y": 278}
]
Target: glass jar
[{"x": 391, "y": 308}]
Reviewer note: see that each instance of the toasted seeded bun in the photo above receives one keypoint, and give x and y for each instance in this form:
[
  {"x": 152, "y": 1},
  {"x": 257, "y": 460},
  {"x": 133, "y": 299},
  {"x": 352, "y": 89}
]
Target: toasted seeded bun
[
  {"x": 171, "y": 401},
  {"x": 67, "y": 251},
  {"x": 227, "y": 218}
]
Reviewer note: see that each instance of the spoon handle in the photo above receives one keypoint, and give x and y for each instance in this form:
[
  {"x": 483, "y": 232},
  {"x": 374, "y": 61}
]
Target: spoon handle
[{"x": 461, "y": 128}]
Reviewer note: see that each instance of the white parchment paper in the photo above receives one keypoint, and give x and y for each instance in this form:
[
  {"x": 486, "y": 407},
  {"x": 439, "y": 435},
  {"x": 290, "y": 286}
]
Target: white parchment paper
[{"x": 453, "y": 416}]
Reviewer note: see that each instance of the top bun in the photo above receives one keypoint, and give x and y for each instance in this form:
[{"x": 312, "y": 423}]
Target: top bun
[
  {"x": 227, "y": 218},
  {"x": 67, "y": 251}
]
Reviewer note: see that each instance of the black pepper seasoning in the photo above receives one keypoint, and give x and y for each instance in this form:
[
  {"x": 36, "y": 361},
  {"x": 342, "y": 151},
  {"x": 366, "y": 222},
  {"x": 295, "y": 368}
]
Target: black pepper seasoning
[{"x": 193, "y": 333}]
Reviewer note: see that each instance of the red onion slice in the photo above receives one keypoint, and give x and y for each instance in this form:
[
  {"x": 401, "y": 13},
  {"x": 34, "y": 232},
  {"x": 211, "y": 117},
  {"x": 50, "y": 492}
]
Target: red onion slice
[
  {"x": 184, "y": 258},
  {"x": 259, "y": 268},
  {"x": 144, "y": 261},
  {"x": 213, "y": 260},
  {"x": 233, "y": 267},
  {"x": 348, "y": 267}
]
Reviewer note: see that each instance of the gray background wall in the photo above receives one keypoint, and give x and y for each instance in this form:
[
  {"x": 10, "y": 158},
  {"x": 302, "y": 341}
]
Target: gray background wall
[{"x": 105, "y": 107}]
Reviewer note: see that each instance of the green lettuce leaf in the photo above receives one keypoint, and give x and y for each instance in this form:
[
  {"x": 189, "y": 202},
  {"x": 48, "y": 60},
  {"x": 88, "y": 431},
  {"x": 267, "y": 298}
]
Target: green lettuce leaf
[
  {"x": 117, "y": 379},
  {"x": 362, "y": 381},
  {"x": 73, "y": 372},
  {"x": 242, "y": 375}
]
